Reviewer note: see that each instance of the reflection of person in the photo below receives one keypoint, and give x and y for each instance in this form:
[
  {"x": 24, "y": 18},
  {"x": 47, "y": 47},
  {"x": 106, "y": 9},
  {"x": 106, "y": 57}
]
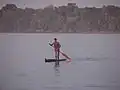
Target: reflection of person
[
  {"x": 56, "y": 46},
  {"x": 57, "y": 71}
]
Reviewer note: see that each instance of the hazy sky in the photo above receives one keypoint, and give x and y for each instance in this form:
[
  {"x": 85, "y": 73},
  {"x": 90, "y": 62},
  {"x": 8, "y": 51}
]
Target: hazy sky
[{"x": 43, "y": 3}]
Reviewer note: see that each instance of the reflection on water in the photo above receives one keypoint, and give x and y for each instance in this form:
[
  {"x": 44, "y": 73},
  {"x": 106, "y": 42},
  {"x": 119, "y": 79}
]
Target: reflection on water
[{"x": 56, "y": 68}]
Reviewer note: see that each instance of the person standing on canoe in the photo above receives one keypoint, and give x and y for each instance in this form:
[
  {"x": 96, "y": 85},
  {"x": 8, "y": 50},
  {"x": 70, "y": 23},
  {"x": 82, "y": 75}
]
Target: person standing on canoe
[{"x": 56, "y": 46}]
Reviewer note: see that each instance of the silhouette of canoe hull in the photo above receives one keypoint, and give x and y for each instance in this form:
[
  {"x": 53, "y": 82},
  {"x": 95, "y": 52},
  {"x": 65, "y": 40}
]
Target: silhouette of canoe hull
[{"x": 54, "y": 60}]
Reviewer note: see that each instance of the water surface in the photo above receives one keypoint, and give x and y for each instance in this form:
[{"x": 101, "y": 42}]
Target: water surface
[{"x": 95, "y": 62}]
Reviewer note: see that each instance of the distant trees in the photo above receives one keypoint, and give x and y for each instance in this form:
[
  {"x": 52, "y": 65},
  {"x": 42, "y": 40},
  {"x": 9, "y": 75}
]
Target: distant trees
[{"x": 69, "y": 18}]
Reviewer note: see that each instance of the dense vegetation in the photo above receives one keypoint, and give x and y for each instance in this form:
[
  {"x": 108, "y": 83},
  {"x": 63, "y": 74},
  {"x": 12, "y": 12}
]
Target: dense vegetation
[{"x": 69, "y": 18}]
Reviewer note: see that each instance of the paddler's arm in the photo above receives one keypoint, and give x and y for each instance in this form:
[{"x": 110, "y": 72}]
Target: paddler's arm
[
  {"x": 59, "y": 44},
  {"x": 51, "y": 44}
]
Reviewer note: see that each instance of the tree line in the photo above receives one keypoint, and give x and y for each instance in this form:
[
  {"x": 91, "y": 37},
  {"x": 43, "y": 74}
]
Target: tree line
[{"x": 69, "y": 18}]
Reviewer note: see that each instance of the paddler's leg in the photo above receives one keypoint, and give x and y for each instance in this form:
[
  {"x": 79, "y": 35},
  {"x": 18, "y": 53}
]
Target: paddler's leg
[
  {"x": 58, "y": 53},
  {"x": 55, "y": 57},
  {"x": 55, "y": 54},
  {"x": 58, "y": 57}
]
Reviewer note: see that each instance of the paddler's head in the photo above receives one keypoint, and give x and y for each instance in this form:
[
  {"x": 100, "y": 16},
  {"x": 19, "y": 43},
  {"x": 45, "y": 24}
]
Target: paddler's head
[{"x": 55, "y": 39}]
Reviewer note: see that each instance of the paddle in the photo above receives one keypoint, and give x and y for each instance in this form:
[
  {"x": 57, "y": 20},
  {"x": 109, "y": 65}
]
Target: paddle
[{"x": 66, "y": 56}]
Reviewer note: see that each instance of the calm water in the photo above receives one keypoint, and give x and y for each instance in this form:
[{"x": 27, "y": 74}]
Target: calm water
[{"x": 95, "y": 62}]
